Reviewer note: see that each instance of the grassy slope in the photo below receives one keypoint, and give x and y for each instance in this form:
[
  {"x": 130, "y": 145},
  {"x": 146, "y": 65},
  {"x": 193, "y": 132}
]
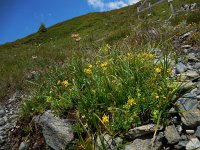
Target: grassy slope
[{"x": 56, "y": 44}]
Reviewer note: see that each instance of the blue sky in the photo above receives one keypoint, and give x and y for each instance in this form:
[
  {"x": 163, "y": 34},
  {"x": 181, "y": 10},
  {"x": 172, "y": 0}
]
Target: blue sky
[{"x": 19, "y": 18}]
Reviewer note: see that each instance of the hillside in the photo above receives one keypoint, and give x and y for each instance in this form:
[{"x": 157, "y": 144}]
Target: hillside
[
  {"x": 104, "y": 72},
  {"x": 56, "y": 44}
]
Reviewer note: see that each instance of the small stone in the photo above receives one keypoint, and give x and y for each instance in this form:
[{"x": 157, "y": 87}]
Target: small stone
[
  {"x": 180, "y": 68},
  {"x": 198, "y": 97},
  {"x": 171, "y": 134},
  {"x": 189, "y": 111},
  {"x": 142, "y": 130},
  {"x": 23, "y": 146},
  {"x": 197, "y": 65},
  {"x": 190, "y": 131},
  {"x": 2, "y": 112},
  {"x": 195, "y": 91},
  {"x": 181, "y": 145},
  {"x": 192, "y": 57},
  {"x": 2, "y": 121},
  {"x": 192, "y": 74},
  {"x": 193, "y": 144},
  {"x": 175, "y": 120},
  {"x": 198, "y": 132},
  {"x": 145, "y": 143},
  {"x": 186, "y": 46},
  {"x": 189, "y": 95},
  {"x": 179, "y": 129},
  {"x": 184, "y": 138},
  {"x": 107, "y": 141}
]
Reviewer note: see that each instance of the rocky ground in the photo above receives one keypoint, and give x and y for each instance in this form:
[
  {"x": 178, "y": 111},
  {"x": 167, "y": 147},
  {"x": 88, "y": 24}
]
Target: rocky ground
[{"x": 182, "y": 133}]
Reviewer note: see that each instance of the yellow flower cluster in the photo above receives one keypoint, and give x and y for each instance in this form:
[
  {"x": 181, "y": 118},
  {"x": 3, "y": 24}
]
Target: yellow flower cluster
[
  {"x": 147, "y": 56},
  {"x": 104, "y": 65},
  {"x": 105, "y": 119},
  {"x": 158, "y": 70},
  {"x": 88, "y": 70},
  {"x": 131, "y": 101},
  {"x": 64, "y": 83}
]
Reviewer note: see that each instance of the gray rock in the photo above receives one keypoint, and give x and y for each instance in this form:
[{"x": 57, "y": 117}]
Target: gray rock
[
  {"x": 23, "y": 146},
  {"x": 195, "y": 91},
  {"x": 2, "y": 121},
  {"x": 197, "y": 65},
  {"x": 193, "y": 144},
  {"x": 197, "y": 133},
  {"x": 192, "y": 74},
  {"x": 145, "y": 143},
  {"x": 142, "y": 130},
  {"x": 107, "y": 142},
  {"x": 180, "y": 68},
  {"x": 171, "y": 134},
  {"x": 179, "y": 129},
  {"x": 33, "y": 75},
  {"x": 181, "y": 145},
  {"x": 2, "y": 112},
  {"x": 186, "y": 46},
  {"x": 192, "y": 57},
  {"x": 57, "y": 132},
  {"x": 190, "y": 131},
  {"x": 189, "y": 95},
  {"x": 189, "y": 112}
]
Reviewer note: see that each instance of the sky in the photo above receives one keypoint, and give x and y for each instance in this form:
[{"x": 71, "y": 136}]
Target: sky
[{"x": 19, "y": 18}]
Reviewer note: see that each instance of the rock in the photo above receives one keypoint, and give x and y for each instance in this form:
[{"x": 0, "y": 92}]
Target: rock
[
  {"x": 189, "y": 95},
  {"x": 192, "y": 57},
  {"x": 2, "y": 112},
  {"x": 145, "y": 143},
  {"x": 171, "y": 134},
  {"x": 192, "y": 74},
  {"x": 180, "y": 68},
  {"x": 195, "y": 91},
  {"x": 108, "y": 142},
  {"x": 33, "y": 75},
  {"x": 190, "y": 131},
  {"x": 186, "y": 46},
  {"x": 175, "y": 120},
  {"x": 193, "y": 144},
  {"x": 189, "y": 112},
  {"x": 185, "y": 86},
  {"x": 179, "y": 129},
  {"x": 181, "y": 145},
  {"x": 197, "y": 133},
  {"x": 57, "y": 132},
  {"x": 23, "y": 146},
  {"x": 2, "y": 121},
  {"x": 197, "y": 65},
  {"x": 142, "y": 130}
]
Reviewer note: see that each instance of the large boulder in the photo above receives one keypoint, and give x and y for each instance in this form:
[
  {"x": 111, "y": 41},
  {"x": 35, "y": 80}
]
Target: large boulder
[{"x": 57, "y": 132}]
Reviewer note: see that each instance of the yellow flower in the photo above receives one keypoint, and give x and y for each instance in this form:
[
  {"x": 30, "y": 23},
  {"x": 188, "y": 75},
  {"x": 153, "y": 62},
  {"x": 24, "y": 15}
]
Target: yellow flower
[
  {"x": 131, "y": 101},
  {"x": 88, "y": 71},
  {"x": 147, "y": 55},
  {"x": 129, "y": 55},
  {"x": 104, "y": 65},
  {"x": 65, "y": 83},
  {"x": 105, "y": 119},
  {"x": 158, "y": 70},
  {"x": 157, "y": 97},
  {"x": 90, "y": 66},
  {"x": 58, "y": 83}
]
